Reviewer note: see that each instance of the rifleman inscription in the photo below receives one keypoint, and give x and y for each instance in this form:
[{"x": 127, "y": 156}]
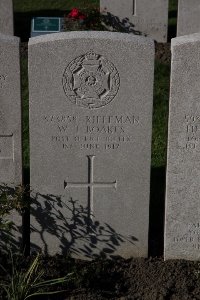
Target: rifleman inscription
[{"x": 91, "y": 81}]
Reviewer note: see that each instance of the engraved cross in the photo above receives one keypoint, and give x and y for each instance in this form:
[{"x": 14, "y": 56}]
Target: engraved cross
[{"x": 91, "y": 185}]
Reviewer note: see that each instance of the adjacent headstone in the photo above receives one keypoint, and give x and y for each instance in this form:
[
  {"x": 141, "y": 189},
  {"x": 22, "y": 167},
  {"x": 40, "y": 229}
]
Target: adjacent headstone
[
  {"x": 188, "y": 21},
  {"x": 45, "y": 25},
  {"x": 6, "y": 17},
  {"x": 10, "y": 128},
  {"x": 90, "y": 142},
  {"x": 10, "y": 111},
  {"x": 182, "y": 226},
  {"x": 148, "y": 17}
]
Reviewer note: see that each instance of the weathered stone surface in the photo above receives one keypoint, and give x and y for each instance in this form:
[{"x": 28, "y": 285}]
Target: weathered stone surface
[
  {"x": 6, "y": 17},
  {"x": 10, "y": 132},
  {"x": 90, "y": 142},
  {"x": 182, "y": 227},
  {"x": 188, "y": 17},
  {"x": 10, "y": 112},
  {"x": 148, "y": 17}
]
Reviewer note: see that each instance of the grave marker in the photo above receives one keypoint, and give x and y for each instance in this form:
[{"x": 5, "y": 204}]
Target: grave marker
[
  {"x": 182, "y": 230},
  {"x": 148, "y": 17},
  {"x": 188, "y": 17},
  {"x": 10, "y": 112},
  {"x": 6, "y": 17},
  {"x": 91, "y": 185},
  {"x": 46, "y": 25},
  {"x": 90, "y": 140},
  {"x": 10, "y": 130}
]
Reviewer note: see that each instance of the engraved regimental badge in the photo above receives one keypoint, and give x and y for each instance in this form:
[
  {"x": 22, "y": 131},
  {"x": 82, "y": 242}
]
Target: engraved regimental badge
[{"x": 91, "y": 81}]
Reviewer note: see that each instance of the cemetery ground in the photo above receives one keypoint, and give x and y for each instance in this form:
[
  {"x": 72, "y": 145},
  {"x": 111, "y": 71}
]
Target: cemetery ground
[{"x": 145, "y": 279}]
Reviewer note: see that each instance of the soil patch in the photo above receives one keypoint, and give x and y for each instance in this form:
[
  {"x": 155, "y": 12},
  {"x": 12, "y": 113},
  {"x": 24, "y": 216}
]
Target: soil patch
[
  {"x": 141, "y": 279},
  {"x": 163, "y": 53}
]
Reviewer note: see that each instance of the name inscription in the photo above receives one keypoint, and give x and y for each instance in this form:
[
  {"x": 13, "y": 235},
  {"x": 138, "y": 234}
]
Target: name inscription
[{"x": 98, "y": 132}]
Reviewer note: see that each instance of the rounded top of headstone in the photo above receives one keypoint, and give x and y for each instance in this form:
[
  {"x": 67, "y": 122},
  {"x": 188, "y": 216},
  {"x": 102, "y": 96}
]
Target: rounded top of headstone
[
  {"x": 9, "y": 38},
  {"x": 92, "y": 35},
  {"x": 185, "y": 39}
]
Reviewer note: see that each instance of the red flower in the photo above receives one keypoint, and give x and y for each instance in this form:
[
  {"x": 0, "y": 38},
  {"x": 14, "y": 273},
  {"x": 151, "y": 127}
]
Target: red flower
[
  {"x": 73, "y": 13},
  {"x": 76, "y": 14}
]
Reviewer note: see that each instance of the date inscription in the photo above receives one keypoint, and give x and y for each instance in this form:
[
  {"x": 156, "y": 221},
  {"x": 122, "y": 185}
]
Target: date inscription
[
  {"x": 192, "y": 130},
  {"x": 191, "y": 239},
  {"x": 96, "y": 132}
]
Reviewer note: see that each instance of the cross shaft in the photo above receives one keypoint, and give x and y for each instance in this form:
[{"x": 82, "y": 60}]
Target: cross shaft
[{"x": 91, "y": 184}]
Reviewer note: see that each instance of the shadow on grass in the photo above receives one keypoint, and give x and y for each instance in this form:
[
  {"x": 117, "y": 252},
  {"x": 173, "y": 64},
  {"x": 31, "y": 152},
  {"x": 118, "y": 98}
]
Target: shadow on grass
[
  {"x": 157, "y": 208},
  {"x": 26, "y": 214},
  {"x": 172, "y": 27}
]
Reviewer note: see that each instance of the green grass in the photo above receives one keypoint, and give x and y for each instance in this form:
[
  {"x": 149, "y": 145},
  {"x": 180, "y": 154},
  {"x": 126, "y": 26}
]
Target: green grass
[
  {"x": 173, "y": 7},
  {"x": 25, "y": 109},
  {"x": 27, "y": 284},
  {"x": 160, "y": 114}
]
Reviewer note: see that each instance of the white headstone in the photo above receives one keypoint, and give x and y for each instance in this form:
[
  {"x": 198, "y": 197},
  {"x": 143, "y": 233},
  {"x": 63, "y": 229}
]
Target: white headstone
[
  {"x": 182, "y": 225},
  {"x": 148, "y": 17},
  {"x": 90, "y": 142},
  {"x": 10, "y": 126},
  {"x": 10, "y": 112},
  {"x": 188, "y": 21},
  {"x": 6, "y": 17}
]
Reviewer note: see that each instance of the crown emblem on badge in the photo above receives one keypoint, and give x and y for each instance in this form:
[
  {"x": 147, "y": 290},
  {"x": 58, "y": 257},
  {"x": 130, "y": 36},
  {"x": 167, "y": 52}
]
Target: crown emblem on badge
[{"x": 91, "y": 55}]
